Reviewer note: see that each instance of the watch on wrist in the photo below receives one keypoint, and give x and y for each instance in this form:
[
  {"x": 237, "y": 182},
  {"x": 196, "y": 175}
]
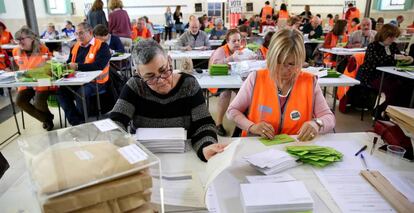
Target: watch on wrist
[{"x": 319, "y": 123}]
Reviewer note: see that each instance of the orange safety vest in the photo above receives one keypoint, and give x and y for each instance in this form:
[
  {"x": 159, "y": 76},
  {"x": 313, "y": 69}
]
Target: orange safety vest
[
  {"x": 359, "y": 60},
  {"x": 3, "y": 55},
  {"x": 265, "y": 104},
  {"x": 283, "y": 14},
  {"x": 264, "y": 51},
  {"x": 352, "y": 29},
  {"x": 90, "y": 58},
  {"x": 6, "y": 37},
  {"x": 328, "y": 57},
  {"x": 136, "y": 33},
  {"x": 29, "y": 62},
  {"x": 266, "y": 10},
  {"x": 331, "y": 22},
  {"x": 227, "y": 53}
]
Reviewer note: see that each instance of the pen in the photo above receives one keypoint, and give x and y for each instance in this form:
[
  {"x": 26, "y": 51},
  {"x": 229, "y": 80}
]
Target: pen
[
  {"x": 362, "y": 149},
  {"x": 373, "y": 145},
  {"x": 364, "y": 162}
]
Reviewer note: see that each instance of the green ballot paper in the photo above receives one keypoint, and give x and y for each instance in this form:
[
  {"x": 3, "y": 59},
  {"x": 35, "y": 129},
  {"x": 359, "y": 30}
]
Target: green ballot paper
[
  {"x": 278, "y": 139},
  {"x": 315, "y": 155}
]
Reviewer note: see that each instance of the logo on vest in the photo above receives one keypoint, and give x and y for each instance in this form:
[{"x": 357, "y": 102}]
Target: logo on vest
[
  {"x": 91, "y": 55},
  {"x": 295, "y": 115}
]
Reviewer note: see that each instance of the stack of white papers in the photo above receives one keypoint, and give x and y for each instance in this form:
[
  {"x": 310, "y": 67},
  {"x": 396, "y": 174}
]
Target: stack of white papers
[
  {"x": 162, "y": 139},
  {"x": 7, "y": 77},
  {"x": 272, "y": 161},
  {"x": 275, "y": 197}
]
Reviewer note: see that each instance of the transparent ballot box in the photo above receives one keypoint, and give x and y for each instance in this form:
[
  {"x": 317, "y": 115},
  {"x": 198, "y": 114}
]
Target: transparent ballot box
[{"x": 94, "y": 167}]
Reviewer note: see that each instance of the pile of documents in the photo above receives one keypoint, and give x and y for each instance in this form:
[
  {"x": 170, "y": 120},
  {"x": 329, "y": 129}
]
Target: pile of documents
[
  {"x": 219, "y": 69},
  {"x": 6, "y": 77},
  {"x": 276, "y": 197},
  {"x": 315, "y": 155},
  {"x": 272, "y": 161},
  {"x": 159, "y": 140},
  {"x": 403, "y": 117}
]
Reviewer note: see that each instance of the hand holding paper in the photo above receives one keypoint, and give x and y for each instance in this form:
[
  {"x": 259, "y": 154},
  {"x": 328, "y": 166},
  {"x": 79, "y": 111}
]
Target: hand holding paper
[{"x": 210, "y": 150}]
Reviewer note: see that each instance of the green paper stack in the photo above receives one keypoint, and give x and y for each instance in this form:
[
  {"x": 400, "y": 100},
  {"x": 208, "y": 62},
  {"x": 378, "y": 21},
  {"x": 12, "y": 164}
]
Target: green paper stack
[
  {"x": 219, "y": 69},
  {"x": 315, "y": 155},
  {"x": 332, "y": 73},
  {"x": 278, "y": 139},
  {"x": 253, "y": 47}
]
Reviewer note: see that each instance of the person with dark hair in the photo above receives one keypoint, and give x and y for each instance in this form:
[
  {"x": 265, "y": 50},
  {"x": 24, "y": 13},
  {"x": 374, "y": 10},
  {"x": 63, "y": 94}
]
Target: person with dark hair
[
  {"x": 158, "y": 97},
  {"x": 354, "y": 25},
  {"x": 69, "y": 30},
  {"x": 141, "y": 30},
  {"x": 88, "y": 54},
  {"x": 115, "y": 45},
  {"x": 380, "y": 23},
  {"x": 307, "y": 14},
  {"x": 337, "y": 37},
  {"x": 178, "y": 16},
  {"x": 314, "y": 31},
  {"x": 351, "y": 13},
  {"x": 5, "y": 36},
  {"x": 262, "y": 51},
  {"x": 30, "y": 54},
  {"x": 219, "y": 31},
  {"x": 268, "y": 25},
  {"x": 96, "y": 15},
  {"x": 265, "y": 11},
  {"x": 254, "y": 22},
  {"x": 243, "y": 20},
  {"x": 283, "y": 13},
  {"x": 331, "y": 21}
]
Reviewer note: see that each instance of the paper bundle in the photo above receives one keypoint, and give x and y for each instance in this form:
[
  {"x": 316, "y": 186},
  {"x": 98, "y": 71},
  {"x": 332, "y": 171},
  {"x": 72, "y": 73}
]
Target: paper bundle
[
  {"x": 403, "y": 117},
  {"x": 272, "y": 161},
  {"x": 219, "y": 69},
  {"x": 162, "y": 139},
  {"x": 315, "y": 155}
]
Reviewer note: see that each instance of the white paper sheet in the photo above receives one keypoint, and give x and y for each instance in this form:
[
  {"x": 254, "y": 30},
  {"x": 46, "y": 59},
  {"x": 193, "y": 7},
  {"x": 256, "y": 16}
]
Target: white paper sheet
[
  {"x": 161, "y": 134},
  {"x": 270, "y": 178}
]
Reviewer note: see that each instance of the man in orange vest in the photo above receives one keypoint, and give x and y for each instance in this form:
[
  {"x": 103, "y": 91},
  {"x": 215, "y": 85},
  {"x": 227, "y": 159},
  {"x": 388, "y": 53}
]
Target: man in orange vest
[
  {"x": 88, "y": 54},
  {"x": 266, "y": 10},
  {"x": 141, "y": 30},
  {"x": 351, "y": 13}
]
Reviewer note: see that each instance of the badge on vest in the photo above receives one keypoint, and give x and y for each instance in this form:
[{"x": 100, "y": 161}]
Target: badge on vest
[
  {"x": 91, "y": 55},
  {"x": 295, "y": 115}
]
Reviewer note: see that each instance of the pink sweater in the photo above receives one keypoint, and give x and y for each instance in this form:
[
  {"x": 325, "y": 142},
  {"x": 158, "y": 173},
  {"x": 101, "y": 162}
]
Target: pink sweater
[{"x": 243, "y": 100}]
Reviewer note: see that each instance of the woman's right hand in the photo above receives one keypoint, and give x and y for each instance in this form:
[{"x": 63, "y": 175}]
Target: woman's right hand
[{"x": 263, "y": 129}]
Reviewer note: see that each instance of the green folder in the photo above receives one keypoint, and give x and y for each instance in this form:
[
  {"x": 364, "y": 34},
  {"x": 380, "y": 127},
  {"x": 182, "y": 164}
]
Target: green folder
[
  {"x": 219, "y": 69},
  {"x": 278, "y": 139}
]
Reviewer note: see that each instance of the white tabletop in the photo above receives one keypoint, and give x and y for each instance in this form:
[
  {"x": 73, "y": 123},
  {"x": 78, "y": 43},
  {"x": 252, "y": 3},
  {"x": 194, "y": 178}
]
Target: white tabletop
[
  {"x": 9, "y": 46},
  {"x": 193, "y": 54},
  {"x": 393, "y": 71},
  {"x": 173, "y": 42},
  {"x": 122, "y": 57},
  {"x": 19, "y": 197},
  {"x": 343, "y": 51},
  {"x": 342, "y": 80},
  {"x": 63, "y": 40}
]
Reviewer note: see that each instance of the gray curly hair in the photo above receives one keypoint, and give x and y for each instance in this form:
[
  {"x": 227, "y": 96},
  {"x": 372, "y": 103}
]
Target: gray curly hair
[{"x": 145, "y": 50}]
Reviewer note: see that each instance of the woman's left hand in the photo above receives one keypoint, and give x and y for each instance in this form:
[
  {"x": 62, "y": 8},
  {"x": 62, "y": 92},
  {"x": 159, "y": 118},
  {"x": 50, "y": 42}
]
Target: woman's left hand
[
  {"x": 211, "y": 150},
  {"x": 308, "y": 131}
]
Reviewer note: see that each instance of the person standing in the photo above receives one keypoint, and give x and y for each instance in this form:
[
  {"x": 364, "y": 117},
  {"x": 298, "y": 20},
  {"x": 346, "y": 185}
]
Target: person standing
[
  {"x": 119, "y": 22},
  {"x": 178, "y": 15},
  {"x": 306, "y": 15},
  {"x": 96, "y": 15},
  {"x": 169, "y": 24},
  {"x": 266, "y": 10}
]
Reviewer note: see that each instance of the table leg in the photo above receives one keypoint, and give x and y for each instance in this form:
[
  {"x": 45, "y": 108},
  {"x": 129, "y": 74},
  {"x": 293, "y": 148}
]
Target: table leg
[
  {"x": 98, "y": 101},
  {"x": 85, "y": 109},
  {"x": 379, "y": 96},
  {"x": 15, "y": 118},
  {"x": 335, "y": 89}
]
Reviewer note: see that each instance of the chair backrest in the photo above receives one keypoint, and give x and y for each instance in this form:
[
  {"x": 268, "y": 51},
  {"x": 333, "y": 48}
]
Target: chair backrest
[{"x": 127, "y": 42}]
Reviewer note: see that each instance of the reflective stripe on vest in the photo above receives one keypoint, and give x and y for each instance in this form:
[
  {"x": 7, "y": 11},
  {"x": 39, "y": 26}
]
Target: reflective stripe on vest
[
  {"x": 90, "y": 58},
  {"x": 266, "y": 10},
  {"x": 265, "y": 104}
]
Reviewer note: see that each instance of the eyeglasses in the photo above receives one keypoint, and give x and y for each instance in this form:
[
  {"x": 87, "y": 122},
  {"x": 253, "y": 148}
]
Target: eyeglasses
[
  {"x": 80, "y": 33},
  {"x": 21, "y": 39},
  {"x": 163, "y": 75}
]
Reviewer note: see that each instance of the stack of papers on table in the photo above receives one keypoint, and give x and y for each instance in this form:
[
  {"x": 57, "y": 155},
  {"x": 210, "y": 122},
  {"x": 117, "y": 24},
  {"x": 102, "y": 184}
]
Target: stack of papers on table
[
  {"x": 7, "y": 77},
  {"x": 403, "y": 117},
  {"x": 315, "y": 155},
  {"x": 275, "y": 197},
  {"x": 341, "y": 49},
  {"x": 272, "y": 161},
  {"x": 162, "y": 139}
]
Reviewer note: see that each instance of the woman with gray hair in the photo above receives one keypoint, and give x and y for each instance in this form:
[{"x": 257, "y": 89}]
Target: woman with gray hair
[
  {"x": 31, "y": 54},
  {"x": 159, "y": 98},
  {"x": 219, "y": 31}
]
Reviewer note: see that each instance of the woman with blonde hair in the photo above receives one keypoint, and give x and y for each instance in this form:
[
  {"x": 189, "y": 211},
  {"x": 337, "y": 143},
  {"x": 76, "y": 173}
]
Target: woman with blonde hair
[
  {"x": 119, "y": 21},
  {"x": 282, "y": 99}
]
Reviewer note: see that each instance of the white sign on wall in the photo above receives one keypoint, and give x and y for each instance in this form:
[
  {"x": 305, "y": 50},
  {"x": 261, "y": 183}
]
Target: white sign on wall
[{"x": 235, "y": 6}]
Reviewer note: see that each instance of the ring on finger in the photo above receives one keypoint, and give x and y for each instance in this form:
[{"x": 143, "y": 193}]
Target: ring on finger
[
  {"x": 312, "y": 135},
  {"x": 263, "y": 131}
]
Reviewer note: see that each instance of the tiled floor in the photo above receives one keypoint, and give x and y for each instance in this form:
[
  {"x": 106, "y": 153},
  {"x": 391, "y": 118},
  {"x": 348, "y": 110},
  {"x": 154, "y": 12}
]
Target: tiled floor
[{"x": 345, "y": 123}]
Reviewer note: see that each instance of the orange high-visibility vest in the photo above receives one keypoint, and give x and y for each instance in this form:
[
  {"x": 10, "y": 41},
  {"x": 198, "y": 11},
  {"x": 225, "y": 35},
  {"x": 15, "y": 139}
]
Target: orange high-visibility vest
[
  {"x": 359, "y": 60},
  {"x": 143, "y": 34},
  {"x": 227, "y": 53},
  {"x": 90, "y": 58},
  {"x": 264, "y": 51},
  {"x": 352, "y": 29},
  {"x": 29, "y": 62},
  {"x": 266, "y": 10},
  {"x": 327, "y": 57},
  {"x": 283, "y": 14},
  {"x": 331, "y": 22},
  {"x": 265, "y": 104},
  {"x": 3, "y": 55},
  {"x": 6, "y": 37}
]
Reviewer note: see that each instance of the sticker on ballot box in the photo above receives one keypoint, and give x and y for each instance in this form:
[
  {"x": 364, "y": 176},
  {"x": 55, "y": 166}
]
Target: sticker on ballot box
[
  {"x": 105, "y": 125},
  {"x": 132, "y": 153}
]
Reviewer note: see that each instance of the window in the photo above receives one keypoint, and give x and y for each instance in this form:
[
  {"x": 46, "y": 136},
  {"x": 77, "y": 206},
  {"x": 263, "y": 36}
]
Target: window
[
  {"x": 393, "y": 4},
  {"x": 2, "y": 7},
  {"x": 249, "y": 7},
  {"x": 214, "y": 9},
  {"x": 58, "y": 7},
  {"x": 198, "y": 7}
]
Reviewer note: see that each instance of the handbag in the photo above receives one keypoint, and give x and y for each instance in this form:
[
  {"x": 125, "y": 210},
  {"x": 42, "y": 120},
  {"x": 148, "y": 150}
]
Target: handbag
[
  {"x": 4, "y": 165},
  {"x": 393, "y": 135}
]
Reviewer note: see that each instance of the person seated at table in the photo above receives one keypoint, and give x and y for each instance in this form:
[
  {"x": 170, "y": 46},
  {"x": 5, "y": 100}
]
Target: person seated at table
[
  {"x": 69, "y": 30},
  {"x": 158, "y": 98},
  {"x": 243, "y": 20},
  {"x": 141, "y": 30},
  {"x": 384, "y": 52},
  {"x": 282, "y": 99},
  {"x": 362, "y": 37},
  {"x": 313, "y": 28},
  {"x": 50, "y": 32},
  {"x": 294, "y": 22},
  {"x": 4, "y": 61},
  {"x": 380, "y": 23},
  {"x": 337, "y": 37},
  {"x": 331, "y": 22},
  {"x": 268, "y": 25},
  {"x": 5, "y": 36},
  {"x": 219, "y": 31},
  {"x": 354, "y": 26},
  {"x": 194, "y": 37},
  {"x": 88, "y": 54},
  {"x": 149, "y": 25},
  {"x": 262, "y": 51},
  {"x": 30, "y": 54},
  {"x": 101, "y": 32},
  {"x": 254, "y": 22}
]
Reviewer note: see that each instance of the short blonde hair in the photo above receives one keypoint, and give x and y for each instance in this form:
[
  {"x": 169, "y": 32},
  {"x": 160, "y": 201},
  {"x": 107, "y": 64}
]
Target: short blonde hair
[
  {"x": 113, "y": 4},
  {"x": 284, "y": 44}
]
